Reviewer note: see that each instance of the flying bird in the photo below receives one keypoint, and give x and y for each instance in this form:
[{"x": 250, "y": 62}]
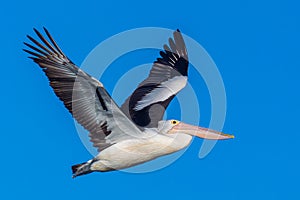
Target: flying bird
[{"x": 135, "y": 132}]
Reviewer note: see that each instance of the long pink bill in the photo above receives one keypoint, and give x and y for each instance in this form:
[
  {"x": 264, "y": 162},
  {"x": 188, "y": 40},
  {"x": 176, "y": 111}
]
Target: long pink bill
[{"x": 204, "y": 133}]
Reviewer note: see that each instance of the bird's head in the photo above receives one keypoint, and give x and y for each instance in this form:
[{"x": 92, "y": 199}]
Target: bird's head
[{"x": 175, "y": 126}]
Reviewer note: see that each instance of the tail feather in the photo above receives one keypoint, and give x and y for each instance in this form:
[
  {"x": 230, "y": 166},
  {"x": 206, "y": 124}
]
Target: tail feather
[
  {"x": 81, "y": 169},
  {"x": 76, "y": 167}
]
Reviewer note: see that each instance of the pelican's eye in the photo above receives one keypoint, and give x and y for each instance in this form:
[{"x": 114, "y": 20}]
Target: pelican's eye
[{"x": 174, "y": 122}]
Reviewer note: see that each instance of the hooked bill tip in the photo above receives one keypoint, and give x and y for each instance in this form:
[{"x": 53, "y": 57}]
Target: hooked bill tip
[{"x": 229, "y": 135}]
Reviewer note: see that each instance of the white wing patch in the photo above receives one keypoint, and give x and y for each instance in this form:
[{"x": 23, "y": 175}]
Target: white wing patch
[{"x": 163, "y": 92}]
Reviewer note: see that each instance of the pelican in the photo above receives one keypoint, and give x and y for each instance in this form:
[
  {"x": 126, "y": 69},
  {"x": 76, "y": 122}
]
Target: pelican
[{"x": 135, "y": 132}]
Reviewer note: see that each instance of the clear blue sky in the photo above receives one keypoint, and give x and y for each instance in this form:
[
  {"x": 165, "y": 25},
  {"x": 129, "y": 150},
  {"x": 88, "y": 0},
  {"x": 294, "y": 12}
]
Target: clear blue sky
[{"x": 256, "y": 47}]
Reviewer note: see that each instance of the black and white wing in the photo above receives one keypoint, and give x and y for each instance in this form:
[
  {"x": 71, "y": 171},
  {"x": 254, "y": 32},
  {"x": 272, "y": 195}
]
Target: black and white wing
[
  {"x": 83, "y": 95},
  {"x": 147, "y": 104}
]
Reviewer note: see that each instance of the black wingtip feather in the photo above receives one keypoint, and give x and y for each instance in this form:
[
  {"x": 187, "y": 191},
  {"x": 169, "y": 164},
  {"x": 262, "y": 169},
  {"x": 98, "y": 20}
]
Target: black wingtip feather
[
  {"x": 45, "y": 41},
  {"x": 33, "y": 58},
  {"x": 36, "y": 31},
  {"x": 32, "y": 53},
  {"x": 36, "y": 49},
  {"x": 28, "y": 36},
  {"x": 53, "y": 41}
]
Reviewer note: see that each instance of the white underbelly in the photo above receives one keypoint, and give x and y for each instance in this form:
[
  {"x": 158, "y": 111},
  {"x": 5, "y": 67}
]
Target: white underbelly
[{"x": 129, "y": 153}]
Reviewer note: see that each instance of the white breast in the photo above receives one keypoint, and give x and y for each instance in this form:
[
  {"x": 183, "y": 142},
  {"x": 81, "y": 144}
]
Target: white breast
[{"x": 129, "y": 153}]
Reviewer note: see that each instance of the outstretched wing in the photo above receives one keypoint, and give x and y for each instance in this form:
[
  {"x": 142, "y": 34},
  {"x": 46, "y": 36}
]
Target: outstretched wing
[
  {"x": 83, "y": 95},
  {"x": 147, "y": 104}
]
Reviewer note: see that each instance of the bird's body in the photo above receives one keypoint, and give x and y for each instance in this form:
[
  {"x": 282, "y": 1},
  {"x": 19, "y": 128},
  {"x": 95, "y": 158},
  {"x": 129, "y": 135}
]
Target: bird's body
[
  {"x": 129, "y": 153},
  {"x": 135, "y": 132}
]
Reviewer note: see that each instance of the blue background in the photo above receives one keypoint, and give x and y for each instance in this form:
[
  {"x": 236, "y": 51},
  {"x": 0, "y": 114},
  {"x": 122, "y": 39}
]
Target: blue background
[{"x": 256, "y": 47}]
